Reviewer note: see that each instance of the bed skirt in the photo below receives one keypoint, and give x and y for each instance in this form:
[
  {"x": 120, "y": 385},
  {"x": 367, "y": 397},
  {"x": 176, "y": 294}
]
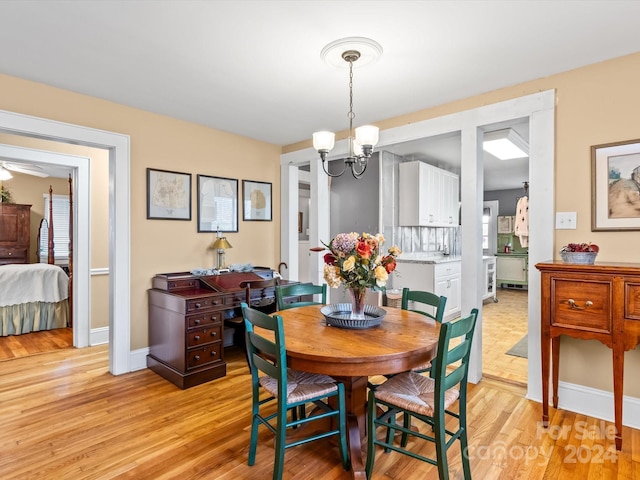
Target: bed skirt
[{"x": 33, "y": 317}]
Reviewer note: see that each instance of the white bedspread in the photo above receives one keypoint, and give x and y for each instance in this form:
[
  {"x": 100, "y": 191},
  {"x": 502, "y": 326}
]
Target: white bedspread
[{"x": 36, "y": 282}]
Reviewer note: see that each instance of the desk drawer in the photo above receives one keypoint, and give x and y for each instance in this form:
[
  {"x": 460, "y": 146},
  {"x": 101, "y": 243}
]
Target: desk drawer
[
  {"x": 202, "y": 320},
  {"x": 204, "y": 303},
  {"x": 203, "y": 355},
  {"x": 204, "y": 335},
  {"x": 583, "y": 305}
]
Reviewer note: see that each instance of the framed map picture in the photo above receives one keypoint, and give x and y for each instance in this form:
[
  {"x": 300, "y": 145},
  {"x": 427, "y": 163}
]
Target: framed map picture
[
  {"x": 256, "y": 203},
  {"x": 217, "y": 204},
  {"x": 168, "y": 195}
]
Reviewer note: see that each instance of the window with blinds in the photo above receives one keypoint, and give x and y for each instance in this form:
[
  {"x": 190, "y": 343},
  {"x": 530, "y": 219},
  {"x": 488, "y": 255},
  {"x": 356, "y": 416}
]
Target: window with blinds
[{"x": 60, "y": 230}]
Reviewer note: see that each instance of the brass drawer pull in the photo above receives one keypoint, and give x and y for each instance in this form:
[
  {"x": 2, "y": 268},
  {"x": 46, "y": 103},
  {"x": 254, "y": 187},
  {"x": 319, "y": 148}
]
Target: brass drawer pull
[{"x": 572, "y": 304}]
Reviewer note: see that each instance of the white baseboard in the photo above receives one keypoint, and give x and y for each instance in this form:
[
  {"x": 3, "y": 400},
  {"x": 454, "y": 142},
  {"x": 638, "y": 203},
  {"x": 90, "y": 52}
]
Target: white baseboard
[
  {"x": 99, "y": 336},
  {"x": 597, "y": 403},
  {"x": 137, "y": 358}
]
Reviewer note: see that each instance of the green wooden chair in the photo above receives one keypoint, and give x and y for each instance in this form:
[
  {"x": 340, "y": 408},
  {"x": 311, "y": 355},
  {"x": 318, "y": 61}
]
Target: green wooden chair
[
  {"x": 300, "y": 289},
  {"x": 427, "y": 299},
  {"x": 289, "y": 388},
  {"x": 428, "y": 400}
]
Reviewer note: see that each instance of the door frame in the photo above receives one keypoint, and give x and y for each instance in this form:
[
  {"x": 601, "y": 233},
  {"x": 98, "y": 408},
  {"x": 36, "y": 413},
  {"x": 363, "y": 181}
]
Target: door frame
[{"x": 118, "y": 146}]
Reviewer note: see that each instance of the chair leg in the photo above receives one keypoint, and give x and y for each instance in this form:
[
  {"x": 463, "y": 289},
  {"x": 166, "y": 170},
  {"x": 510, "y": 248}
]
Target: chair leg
[
  {"x": 371, "y": 433},
  {"x": 254, "y": 440},
  {"x": 281, "y": 437},
  {"x": 342, "y": 418},
  {"x": 406, "y": 423},
  {"x": 391, "y": 432},
  {"x": 441, "y": 447}
]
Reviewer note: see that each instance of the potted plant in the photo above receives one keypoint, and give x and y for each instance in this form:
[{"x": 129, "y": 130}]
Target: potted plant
[{"x": 5, "y": 195}]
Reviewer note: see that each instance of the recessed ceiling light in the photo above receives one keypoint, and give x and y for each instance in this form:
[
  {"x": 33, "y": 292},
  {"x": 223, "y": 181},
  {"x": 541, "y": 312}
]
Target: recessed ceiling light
[{"x": 505, "y": 144}]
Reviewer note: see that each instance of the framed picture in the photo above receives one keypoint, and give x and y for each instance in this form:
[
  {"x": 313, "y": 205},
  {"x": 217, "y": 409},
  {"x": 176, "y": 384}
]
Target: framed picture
[
  {"x": 615, "y": 184},
  {"x": 217, "y": 204},
  {"x": 256, "y": 201},
  {"x": 168, "y": 195}
]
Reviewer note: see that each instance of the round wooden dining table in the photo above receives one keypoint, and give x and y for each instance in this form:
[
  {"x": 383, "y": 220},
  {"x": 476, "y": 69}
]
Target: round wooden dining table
[{"x": 404, "y": 340}]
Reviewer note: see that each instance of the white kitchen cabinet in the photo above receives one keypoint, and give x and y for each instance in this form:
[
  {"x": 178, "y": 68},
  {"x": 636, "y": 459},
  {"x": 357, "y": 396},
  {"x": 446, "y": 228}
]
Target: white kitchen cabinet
[
  {"x": 429, "y": 196},
  {"x": 440, "y": 278},
  {"x": 513, "y": 269},
  {"x": 490, "y": 278}
]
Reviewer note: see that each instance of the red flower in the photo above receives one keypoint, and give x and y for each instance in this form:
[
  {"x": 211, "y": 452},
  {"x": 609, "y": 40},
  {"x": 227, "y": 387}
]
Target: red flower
[
  {"x": 389, "y": 263},
  {"x": 363, "y": 249},
  {"x": 329, "y": 259}
]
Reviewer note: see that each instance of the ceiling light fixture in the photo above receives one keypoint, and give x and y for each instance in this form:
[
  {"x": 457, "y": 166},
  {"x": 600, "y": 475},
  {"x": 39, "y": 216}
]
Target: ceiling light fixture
[
  {"x": 5, "y": 174},
  {"x": 361, "y": 144},
  {"x": 505, "y": 144}
]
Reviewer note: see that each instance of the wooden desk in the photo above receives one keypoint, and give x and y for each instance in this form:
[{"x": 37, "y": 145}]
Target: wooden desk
[
  {"x": 591, "y": 302},
  {"x": 403, "y": 341}
]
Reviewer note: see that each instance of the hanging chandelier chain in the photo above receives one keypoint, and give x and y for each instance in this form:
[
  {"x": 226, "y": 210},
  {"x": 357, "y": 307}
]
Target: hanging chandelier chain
[{"x": 351, "y": 114}]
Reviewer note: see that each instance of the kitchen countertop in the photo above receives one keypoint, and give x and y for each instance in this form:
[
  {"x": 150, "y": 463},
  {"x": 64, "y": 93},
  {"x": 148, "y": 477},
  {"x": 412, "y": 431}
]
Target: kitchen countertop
[
  {"x": 512, "y": 254},
  {"x": 431, "y": 257}
]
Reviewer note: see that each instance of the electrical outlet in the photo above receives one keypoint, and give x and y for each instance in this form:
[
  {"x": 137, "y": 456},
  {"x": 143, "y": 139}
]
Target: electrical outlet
[{"x": 566, "y": 220}]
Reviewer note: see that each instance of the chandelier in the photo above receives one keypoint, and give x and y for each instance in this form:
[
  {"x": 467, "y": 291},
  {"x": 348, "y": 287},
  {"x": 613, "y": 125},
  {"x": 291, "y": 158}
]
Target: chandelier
[{"x": 361, "y": 144}]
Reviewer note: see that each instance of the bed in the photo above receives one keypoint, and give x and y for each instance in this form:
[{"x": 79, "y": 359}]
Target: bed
[
  {"x": 37, "y": 296},
  {"x": 34, "y": 297}
]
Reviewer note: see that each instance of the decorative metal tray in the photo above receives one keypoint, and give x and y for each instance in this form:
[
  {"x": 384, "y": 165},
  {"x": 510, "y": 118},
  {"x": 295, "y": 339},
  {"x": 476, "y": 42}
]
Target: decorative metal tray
[{"x": 339, "y": 315}]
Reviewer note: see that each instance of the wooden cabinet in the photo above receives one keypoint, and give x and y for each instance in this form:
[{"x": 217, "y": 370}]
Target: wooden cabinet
[
  {"x": 592, "y": 302},
  {"x": 15, "y": 223},
  {"x": 513, "y": 269},
  {"x": 429, "y": 196},
  {"x": 440, "y": 278}
]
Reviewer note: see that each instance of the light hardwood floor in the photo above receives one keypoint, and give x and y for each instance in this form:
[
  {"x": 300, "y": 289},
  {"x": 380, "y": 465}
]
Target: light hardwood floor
[
  {"x": 64, "y": 416},
  {"x": 503, "y": 324}
]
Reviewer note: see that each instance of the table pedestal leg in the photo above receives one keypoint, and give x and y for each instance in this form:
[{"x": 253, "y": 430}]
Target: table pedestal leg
[{"x": 356, "y": 401}]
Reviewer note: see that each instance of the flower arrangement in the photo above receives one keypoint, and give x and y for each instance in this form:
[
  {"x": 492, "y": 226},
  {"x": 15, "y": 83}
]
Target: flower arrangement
[
  {"x": 582, "y": 253},
  {"x": 356, "y": 261}
]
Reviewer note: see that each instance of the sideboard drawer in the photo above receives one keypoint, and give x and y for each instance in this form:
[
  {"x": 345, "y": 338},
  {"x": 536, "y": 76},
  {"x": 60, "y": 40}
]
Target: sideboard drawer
[
  {"x": 585, "y": 305},
  {"x": 13, "y": 255},
  {"x": 204, "y": 335},
  {"x": 631, "y": 300},
  {"x": 203, "y": 355}
]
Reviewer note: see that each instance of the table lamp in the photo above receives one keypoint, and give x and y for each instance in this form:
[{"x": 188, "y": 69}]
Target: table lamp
[{"x": 221, "y": 243}]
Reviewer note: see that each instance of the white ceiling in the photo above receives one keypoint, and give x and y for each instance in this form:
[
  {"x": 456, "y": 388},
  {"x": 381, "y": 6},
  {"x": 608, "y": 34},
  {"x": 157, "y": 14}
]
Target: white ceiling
[{"x": 253, "y": 67}]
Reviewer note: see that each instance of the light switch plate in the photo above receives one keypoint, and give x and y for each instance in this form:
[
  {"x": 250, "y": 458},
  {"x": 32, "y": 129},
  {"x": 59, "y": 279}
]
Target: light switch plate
[{"x": 566, "y": 220}]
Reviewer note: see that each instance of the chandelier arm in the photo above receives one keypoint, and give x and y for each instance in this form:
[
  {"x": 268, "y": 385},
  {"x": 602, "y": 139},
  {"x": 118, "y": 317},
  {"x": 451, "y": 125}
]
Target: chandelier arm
[
  {"x": 359, "y": 174},
  {"x": 332, "y": 174}
]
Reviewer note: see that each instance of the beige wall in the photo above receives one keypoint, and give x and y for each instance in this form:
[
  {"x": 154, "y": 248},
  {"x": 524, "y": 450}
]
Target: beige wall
[
  {"x": 161, "y": 142},
  {"x": 595, "y": 104}
]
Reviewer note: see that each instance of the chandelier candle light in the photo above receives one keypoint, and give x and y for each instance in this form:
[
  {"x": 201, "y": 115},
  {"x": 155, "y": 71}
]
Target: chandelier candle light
[
  {"x": 356, "y": 262},
  {"x": 361, "y": 144}
]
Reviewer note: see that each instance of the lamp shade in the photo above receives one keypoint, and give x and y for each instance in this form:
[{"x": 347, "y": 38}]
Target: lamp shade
[
  {"x": 323, "y": 141},
  {"x": 367, "y": 135},
  {"x": 5, "y": 174},
  {"x": 221, "y": 242}
]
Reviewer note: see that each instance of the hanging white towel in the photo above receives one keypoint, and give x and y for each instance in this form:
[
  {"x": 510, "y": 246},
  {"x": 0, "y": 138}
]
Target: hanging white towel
[{"x": 521, "y": 228}]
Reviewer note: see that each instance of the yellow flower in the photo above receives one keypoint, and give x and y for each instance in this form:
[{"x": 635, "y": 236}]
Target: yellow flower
[
  {"x": 349, "y": 264},
  {"x": 395, "y": 251},
  {"x": 381, "y": 276}
]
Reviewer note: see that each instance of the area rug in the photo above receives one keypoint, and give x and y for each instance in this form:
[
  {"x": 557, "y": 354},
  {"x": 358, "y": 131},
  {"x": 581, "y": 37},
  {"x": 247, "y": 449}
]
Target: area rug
[{"x": 520, "y": 348}]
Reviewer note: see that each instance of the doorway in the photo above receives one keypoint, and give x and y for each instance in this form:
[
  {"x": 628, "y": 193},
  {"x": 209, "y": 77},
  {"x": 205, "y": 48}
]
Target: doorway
[{"x": 119, "y": 239}]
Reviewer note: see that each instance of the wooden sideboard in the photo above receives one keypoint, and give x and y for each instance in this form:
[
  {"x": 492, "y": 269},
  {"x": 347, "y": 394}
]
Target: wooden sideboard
[
  {"x": 591, "y": 302},
  {"x": 15, "y": 224},
  {"x": 187, "y": 315}
]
